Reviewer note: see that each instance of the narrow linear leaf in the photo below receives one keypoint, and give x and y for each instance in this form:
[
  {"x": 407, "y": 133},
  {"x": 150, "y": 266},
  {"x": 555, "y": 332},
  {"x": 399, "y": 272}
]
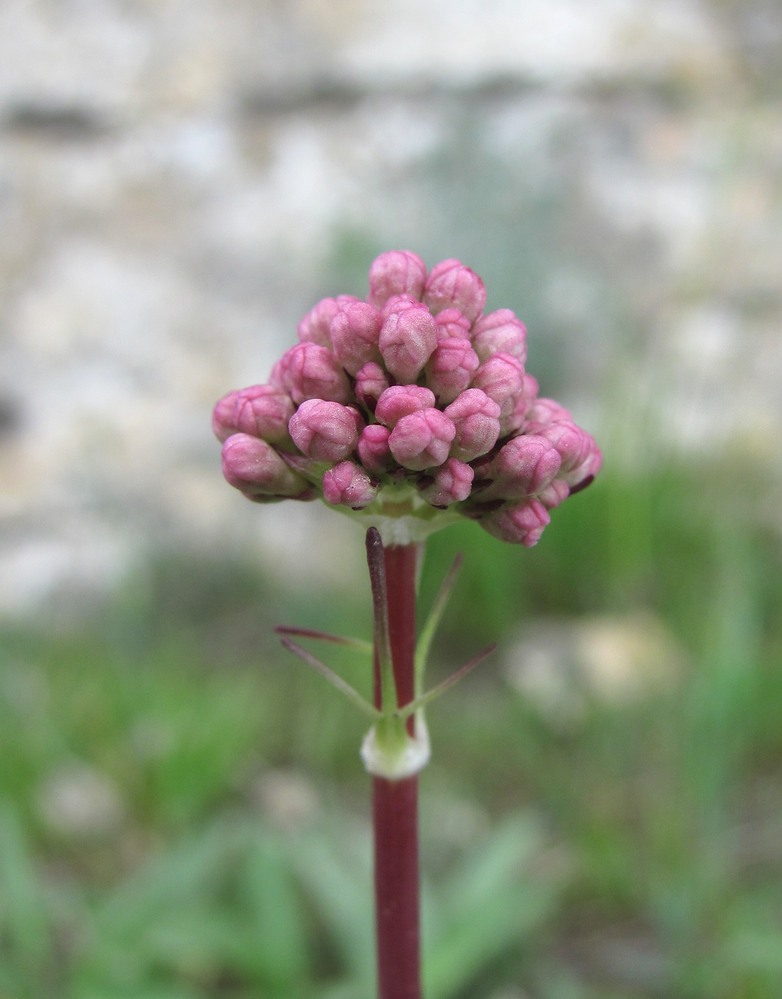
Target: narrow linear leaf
[
  {"x": 333, "y": 678},
  {"x": 440, "y": 689},
  {"x": 433, "y": 620},
  {"x": 323, "y": 636}
]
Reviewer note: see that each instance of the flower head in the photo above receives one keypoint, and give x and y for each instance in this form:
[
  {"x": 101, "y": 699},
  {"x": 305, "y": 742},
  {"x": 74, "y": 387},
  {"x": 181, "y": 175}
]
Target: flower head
[{"x": 409, "y": 409}]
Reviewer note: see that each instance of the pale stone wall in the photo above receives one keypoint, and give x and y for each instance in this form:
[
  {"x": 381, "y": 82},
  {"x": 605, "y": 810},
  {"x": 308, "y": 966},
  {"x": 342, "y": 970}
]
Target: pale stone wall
[{"x": 181, "y": 179}]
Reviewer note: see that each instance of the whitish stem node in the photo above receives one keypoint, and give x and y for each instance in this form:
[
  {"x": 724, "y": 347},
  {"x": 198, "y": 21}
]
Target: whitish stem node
[{"x": 389, "y": 751}]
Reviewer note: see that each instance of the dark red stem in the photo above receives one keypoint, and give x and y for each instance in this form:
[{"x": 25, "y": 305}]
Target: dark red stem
[{"x": 395, "y": 806}]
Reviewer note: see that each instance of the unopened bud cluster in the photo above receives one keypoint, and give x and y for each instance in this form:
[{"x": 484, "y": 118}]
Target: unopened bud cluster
[{"x": 405, "y": 405}]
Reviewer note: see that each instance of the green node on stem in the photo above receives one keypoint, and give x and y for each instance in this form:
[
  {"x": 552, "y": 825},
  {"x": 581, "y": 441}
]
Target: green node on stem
[{"x": 389, "y": 751}]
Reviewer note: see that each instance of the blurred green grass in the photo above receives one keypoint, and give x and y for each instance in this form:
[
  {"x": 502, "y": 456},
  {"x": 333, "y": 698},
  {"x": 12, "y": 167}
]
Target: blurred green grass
[{"x": 636, "y": 852}]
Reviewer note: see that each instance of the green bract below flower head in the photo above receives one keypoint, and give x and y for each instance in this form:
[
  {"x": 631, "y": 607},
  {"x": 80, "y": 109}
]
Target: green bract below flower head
[{"x": 408, "y": 410}]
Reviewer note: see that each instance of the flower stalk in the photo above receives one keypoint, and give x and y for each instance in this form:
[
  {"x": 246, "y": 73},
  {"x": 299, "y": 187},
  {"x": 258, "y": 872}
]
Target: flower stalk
[{"x": 395, "y": 802}]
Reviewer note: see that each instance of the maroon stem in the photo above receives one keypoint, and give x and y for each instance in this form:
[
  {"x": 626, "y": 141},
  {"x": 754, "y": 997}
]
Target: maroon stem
[{"x": 395, "y": 806}]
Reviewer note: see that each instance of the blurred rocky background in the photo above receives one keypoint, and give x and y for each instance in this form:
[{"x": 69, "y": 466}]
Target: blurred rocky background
[{"x": 180, "y": 180}]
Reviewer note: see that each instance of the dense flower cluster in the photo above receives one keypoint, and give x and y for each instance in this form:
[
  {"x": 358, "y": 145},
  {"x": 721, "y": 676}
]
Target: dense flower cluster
[{"x": 406, "y": 408}]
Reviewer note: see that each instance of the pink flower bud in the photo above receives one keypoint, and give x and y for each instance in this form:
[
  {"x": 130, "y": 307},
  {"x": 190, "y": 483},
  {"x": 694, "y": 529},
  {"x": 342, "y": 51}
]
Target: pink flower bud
[
  {"x": 407, "y": 340},
  {"x": 254, "y": 467},
  {"x": 347, "y": 484},
  {"x": 373, "y": 449},
  {"x": 452, "y": 285},
  {"x": 325, "y": 431},
  {"x": 398, "y": 272},
  {"x": 223, "y": 424},
  {"x": 580, "y": 477},
  {"x": 398, "y": 303},
  {"x": 477, "y": 421},
  {"x": 422, "y": 440},
  {"x": 371, "y": 383},
  {"x": 501, "y": 377},
  {"x": 402, "y": 400},
  {"x": 263, "y": 411},
  {"x": 556, "y": 492},
  {"x": 521, "y": 525},
  {"x": 450, "y": 369},
  {"x": 524, "y": 467},
  {"x": 482, "y": 468},
  {"x": 355, "y": 329},
  {"x": 452, "y": 323},
  {"x": 572, "y": 443},
  {"x": 516, "y": 420},
  {"x": 314, "y": 327},
  {"x": 500, "y": 332},
  {"x": 545, "y": 411},
  {"x": 309, "y": 371},
  {"x": 452, "y": 484}
]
